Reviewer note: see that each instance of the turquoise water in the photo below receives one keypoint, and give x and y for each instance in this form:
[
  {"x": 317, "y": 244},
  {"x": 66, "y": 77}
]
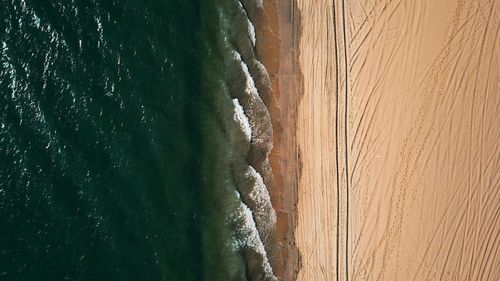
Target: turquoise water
[{"x": 115, "y": 156}]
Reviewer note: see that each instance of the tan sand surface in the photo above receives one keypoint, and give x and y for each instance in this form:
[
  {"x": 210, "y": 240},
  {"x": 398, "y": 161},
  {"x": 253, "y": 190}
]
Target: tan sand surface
[{"x": 418, "y": 195}]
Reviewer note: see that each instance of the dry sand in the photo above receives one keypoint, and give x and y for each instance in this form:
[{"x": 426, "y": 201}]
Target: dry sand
[{"x": 418, "y": 195}]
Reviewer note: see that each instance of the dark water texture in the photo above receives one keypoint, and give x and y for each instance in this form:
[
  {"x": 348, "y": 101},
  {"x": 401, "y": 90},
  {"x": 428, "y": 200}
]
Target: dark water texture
[{"x": 101, "y": 140}]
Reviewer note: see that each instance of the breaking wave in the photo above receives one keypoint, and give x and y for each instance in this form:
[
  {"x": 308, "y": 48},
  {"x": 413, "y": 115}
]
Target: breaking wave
[{"x": 250, "y": 133}]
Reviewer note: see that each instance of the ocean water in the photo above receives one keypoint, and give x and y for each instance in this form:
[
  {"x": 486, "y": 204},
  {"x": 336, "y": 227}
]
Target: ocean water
[{"x": 125, "y": 134}]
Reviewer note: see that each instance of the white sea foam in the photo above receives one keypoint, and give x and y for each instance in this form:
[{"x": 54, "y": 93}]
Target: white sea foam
[
  {"x": 251, "y": 32},
  {"x": 253, "y": 117},
  {"x": 242, "y": 119},
  {"x": 254, "y": 219},
  {"x": 251, "y": 28},
  {"x": 247, "y": 238},
  {"x": 264, "y": 214},
  {"x": 250, "y": 84},
  {"x": 256, "y": 111}
]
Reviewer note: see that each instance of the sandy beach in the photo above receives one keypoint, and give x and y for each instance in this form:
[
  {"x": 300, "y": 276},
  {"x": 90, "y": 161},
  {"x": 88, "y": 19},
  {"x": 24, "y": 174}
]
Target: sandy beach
[{"x": 386, "y": 151}]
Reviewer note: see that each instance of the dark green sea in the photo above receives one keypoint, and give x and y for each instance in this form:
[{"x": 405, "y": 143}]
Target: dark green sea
[{"x": 125, "y": 133}]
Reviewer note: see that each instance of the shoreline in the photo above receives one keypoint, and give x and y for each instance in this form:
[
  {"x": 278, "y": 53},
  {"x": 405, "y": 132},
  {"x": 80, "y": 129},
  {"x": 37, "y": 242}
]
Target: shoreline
[{"x": 277, "y": 32}]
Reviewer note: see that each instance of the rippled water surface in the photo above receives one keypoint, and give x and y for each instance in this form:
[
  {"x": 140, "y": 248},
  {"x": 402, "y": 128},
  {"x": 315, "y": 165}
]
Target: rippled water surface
[{"x": 100, "y": 140}]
